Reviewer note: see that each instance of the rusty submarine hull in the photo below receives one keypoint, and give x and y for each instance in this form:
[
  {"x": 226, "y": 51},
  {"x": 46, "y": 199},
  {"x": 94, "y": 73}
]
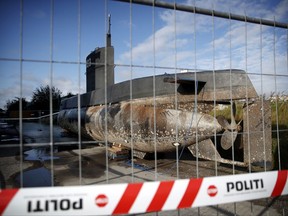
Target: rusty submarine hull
[
  {"x": 142, "y": 128},
  {"x": 150, "y": 120},
  {"x": 164, "y": 112}
]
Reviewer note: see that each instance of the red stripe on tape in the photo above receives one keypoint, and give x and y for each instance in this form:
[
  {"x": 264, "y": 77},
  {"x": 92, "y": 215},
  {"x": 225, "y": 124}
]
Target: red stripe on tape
[
  {"x": 160, "y": 196},
  {"x": 128, "y": 198},
  {"x": 280, "y": 183},
  {"x": 190, "y": 193},
  {"x": 5, "y": 197}
]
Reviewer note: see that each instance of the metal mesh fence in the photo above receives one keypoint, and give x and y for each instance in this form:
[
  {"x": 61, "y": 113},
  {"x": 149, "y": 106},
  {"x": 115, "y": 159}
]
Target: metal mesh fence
[{"x": 175, "y": 91}]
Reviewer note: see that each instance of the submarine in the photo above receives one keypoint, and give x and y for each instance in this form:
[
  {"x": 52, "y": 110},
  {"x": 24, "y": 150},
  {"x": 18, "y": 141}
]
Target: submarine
[{"x": 163, "y": 113}]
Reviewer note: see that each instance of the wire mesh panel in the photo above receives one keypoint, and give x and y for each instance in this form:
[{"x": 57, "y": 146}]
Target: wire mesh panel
[{"x": 109, "y": 92}]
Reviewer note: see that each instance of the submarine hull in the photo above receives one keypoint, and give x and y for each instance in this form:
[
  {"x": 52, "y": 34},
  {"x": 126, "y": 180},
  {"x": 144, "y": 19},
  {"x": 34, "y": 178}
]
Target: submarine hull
[{"x": 143, "y": 128}]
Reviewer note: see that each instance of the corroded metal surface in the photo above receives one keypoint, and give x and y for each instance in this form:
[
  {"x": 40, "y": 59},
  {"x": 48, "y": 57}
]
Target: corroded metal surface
[
  {"x": 175, "y": 110},
  {"x": 215, "y": 86},
  {"x": 206, "y": 150},
  {"x": 257, "y": 134},
  {"x": 133, "y": 126}
]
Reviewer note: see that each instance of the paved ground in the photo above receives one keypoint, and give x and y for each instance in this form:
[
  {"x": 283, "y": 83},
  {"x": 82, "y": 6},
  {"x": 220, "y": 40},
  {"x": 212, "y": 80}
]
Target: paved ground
[
  {"x": 94, "y": 171},
  {"x": 89, "y": 166}
]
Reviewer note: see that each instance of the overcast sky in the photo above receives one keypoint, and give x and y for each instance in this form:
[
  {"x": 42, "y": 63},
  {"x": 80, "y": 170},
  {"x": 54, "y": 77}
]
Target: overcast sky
[{"x": 153, "y": 37}]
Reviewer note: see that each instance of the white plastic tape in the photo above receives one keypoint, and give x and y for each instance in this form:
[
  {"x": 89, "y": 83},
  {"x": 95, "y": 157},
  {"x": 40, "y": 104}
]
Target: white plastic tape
[{"x": 142, "y": 197}]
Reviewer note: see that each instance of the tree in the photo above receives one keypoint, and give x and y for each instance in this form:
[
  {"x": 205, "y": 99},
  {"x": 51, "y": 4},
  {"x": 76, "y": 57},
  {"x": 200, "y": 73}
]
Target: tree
[
  {"x": 69, "y": 94},
  {"x": 13, "y": 105},
  {"x": 41, "y": 98}
]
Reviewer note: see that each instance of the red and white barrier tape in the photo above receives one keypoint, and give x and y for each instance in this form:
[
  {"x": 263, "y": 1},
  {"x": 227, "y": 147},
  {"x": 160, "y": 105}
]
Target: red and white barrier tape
[{"x": 142, "y": 197}]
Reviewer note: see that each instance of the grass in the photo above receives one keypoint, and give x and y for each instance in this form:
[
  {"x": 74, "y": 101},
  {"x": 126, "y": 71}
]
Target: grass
[
  {"x": 280, "y": 140},
  {"x": 282, "y": 112},
  {"x": 226, "y": 112}
]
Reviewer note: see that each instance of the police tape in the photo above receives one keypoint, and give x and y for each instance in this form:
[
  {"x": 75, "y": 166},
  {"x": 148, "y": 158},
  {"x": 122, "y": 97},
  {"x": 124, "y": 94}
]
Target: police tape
[{"x": 142, "y": 197}]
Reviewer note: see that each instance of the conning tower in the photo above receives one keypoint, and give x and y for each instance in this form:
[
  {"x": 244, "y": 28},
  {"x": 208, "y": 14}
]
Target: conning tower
[{"x": 95, "y": 64}]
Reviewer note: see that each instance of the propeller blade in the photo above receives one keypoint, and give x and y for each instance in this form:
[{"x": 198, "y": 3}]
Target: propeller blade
[
  {"x": 233, "y": 108},
  {"x": 223, "y": 122},
  {"x": 231, "y": 130},
  {"x": 233, "y": 125},
  {"x": 228, "y": 138}
]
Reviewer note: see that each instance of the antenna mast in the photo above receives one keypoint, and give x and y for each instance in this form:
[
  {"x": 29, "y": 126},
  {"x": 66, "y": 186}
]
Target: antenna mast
[
  {"x": 109, "y": 24},
  {"x": 108, "y": 37}
]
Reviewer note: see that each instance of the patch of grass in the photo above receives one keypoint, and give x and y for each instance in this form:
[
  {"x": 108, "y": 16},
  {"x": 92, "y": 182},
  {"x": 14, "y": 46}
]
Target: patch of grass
[
  {"x": 226, "y": 112},
  {"x": 281, "y": 112},
  {"x": 280, "y": 140}
]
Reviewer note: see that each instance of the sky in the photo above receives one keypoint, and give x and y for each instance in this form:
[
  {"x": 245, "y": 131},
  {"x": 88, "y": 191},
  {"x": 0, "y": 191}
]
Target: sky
[{"x": 66, "y": 31}]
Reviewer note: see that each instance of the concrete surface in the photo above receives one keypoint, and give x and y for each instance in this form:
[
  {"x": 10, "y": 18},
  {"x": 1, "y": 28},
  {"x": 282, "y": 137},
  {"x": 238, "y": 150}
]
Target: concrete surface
[
  {"x": 93, "y": 170},
  {"x": 70, "y": 166}
]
